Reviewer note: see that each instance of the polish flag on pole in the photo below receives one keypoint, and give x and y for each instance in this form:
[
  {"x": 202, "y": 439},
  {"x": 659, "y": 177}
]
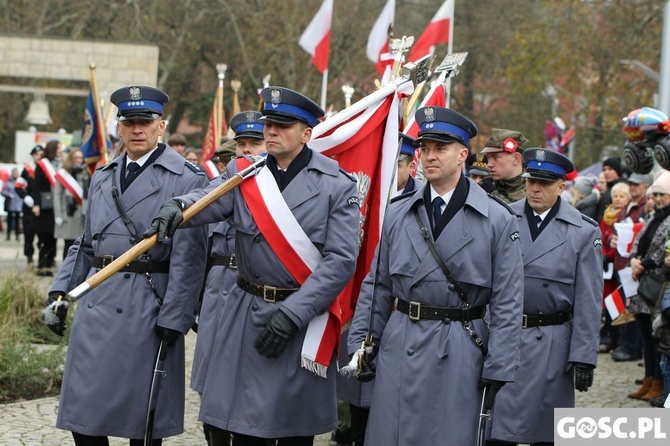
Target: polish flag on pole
[
  {"x": 378, "y": 40},
  {"x": 316, "y": 37},
  {"x": 438, "y": 31},
  {"x": 626, "y": 232},
  {"x": 614, "y": 304}
]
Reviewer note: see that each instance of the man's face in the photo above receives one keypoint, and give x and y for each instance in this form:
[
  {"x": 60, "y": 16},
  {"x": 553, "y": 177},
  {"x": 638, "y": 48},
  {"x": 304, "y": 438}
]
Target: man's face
[
  {"x": 637, "y": 191},
  {"x": 610, "y": 174},
  {"x": 542, "y": 195},
  {"x": 502, "y": 164},
  {"x": 285, "y": 141},
  {"x": 179, "y": 148},
  {"x": 442, "y": 161},
  {"x": 405, "y": 166},
  {"x": 140, "y": 135},
  {"x": 249, "y": 146}
]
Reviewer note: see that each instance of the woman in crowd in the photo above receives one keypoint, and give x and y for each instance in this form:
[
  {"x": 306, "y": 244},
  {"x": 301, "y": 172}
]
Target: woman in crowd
[
  {"x": 69, "y": 207},
  {"x": 13, "y": 204},
  {"x": 585, "y": 197},
  {"x": 43, "y": 209}
]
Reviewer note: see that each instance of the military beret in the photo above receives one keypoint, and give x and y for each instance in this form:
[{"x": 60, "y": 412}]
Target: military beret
[
  {"x": 406, "y": 146},
  {"x": 287, "y": 107},
  {"x": 547, "y": 165},
  {"x": 477, "y": 164},
  {"x": 445, "y": 125},
  {"x": 247, "y": 124},
  {"x": 503, "y": 140},
  {"x": 139, "y": 102},
  {"x": 37, "y": 148}
]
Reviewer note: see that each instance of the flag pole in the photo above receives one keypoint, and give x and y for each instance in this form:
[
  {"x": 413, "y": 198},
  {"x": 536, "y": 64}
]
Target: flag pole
[
  {"x": 102, "y": 136},
  {"x": 450, "y": 49},
  {"x": 218, "y": 114},
  {"x": 324, "y": 88}
]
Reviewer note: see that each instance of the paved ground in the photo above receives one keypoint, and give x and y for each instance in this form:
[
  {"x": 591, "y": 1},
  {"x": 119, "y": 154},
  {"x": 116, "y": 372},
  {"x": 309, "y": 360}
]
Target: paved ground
[{"x": 31, "y": 423}]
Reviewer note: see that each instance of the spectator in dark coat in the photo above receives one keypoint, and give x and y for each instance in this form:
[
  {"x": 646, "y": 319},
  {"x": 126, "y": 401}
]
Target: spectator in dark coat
[
  {"x": 612, "y": 171},
  {"x": 585, "y": 197}
]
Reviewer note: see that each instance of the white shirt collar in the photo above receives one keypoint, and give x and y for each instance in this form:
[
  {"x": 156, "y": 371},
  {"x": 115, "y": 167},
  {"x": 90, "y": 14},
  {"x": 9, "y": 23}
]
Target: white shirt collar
[
  {"x": 142, "y": 160},
  {"x": 446, "y": 197}
]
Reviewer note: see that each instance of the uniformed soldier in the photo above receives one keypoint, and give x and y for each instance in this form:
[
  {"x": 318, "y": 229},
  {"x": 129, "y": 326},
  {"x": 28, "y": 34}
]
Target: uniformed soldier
[
  {"x": 562, "y": 301},
  {"x": 405, "y": 182},
  {"x": 118, "y": 325},
  {"x": 256, "y": 386},
  {"x": 503, "y": 149},
  {"x": 436, "y": 352},
  {"x": 222, "y": 266}
]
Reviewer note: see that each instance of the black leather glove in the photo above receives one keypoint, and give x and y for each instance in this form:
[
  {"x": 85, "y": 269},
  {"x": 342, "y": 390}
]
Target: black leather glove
[
  {"x": 55, "y": 313},
  {"x": 493, "y": 387},
  {"x": 487, "y": 184},
  {"x": 166, "y": 222},
  {"x": 168, "y": 335},
  {"x": 368, "y": 368},
  {"x": 583, "y": 375},
  {"x": 276, "y": 335}
]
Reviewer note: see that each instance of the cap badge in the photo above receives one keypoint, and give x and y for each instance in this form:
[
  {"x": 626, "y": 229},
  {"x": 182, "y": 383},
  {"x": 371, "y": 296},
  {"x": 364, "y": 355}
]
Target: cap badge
[
  {"x": 135, "y": 93},
  {"x": 510, "y": 145},
  {"x": 250, "y": 116},
  {"x": 540, "y": 156},
  {"x": 430, "y": 114},
  {"x": 275, "y": 97}
]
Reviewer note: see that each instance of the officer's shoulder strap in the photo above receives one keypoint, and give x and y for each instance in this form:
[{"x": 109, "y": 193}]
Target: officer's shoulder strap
[
  {"x": 195, "y": 169},
  {"x": 348, "y": 175},
  {"x": 403, "y": 196},
  {"x": 503, "y": 203},
  {"x": 589, "y": 220}
]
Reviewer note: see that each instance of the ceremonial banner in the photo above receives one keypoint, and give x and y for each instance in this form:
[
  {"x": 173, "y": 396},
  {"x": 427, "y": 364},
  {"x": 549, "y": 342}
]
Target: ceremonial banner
[
  {"x": 614, "y": 304},
  {"x": 94, "y": 141},
  {"x": 316, "y": 37},
  {"x": 378, "y": 41},
  {"x": 437, "y": 31},
  {"x": 212, "y": 140}
]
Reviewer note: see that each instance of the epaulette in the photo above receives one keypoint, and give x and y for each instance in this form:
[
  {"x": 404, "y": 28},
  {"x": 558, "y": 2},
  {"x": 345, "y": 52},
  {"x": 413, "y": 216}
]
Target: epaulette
[
  {"x": 348, "y": 175},
  {"x": 403, "y": 196},
  {"x": 589, "y": 220},
  {"x": 193, "y": 167},
  {"x": 503, "y": 202}
]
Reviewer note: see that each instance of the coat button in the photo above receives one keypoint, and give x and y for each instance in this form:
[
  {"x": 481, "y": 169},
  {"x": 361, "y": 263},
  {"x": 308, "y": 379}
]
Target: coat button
[
  {"x": 102, "y": 237},
  {"x": 258, "y": 238},
  {"x": 119, "y": 310},
  {"x": 446, "y": 321},
  {"x": 539, "y": 338},
  {"x": 254, "y": 307},
  {"x": 256, "y": 275},
  {"x": 131, "y": 241},
  {"x": 451, "y": 287},
  {"x": 90, "y": 305},
  {"x": 410, "y": 352},
  {"x": 225, "y": 293},
  {"x": 126, "y": 276},
  {"x": 228, "y": 237},
  {"x": 545, "y": 284}
]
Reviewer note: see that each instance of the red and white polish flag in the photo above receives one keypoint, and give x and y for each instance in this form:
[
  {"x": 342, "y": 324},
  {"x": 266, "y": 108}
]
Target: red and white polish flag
[
  {"x": 316, "y": 37},
  {"x": 378, "y": 41},
  {"x": 210, "y": 169},
  {"x": 437, "y": 31},
  {"x": 614, "y": 304}
]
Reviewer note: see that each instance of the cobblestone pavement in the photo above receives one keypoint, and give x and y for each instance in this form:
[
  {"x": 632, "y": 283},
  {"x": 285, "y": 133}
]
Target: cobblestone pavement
[{"x": 32, "y": 423}]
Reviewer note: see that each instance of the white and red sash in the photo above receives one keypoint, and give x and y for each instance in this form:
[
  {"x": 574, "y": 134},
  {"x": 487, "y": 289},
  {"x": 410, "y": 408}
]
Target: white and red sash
[
  {"x": 71, "y": 185},
  {"x": 30, "y": 169},
  {"x": 48, "y": 170},
  {"x": 298, "y": 255},
  {"x": 20, "y": 183}
]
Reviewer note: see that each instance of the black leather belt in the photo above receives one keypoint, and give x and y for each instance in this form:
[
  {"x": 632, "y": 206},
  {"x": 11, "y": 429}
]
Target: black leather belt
[
  {"x": 269, "y": 293},
  {"x": 136, "y": 266},
  {"x": 228, "y": 261},
  {"x": 417, "y": 311},
  {"x": 542, "y": 320}
]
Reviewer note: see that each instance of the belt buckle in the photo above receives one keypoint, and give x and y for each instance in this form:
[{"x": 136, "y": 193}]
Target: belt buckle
[
  {"x": 414, "y": 311},
  {"x": 231, "y": 262},
  {"x": 272, "y": 297},
  {"x": 106, "y": 260},
  {"x": 524, "y": 322}
]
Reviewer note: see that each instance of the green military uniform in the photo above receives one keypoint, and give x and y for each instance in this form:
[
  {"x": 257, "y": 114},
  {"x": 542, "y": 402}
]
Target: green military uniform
[{"x": 510, "y": 141}]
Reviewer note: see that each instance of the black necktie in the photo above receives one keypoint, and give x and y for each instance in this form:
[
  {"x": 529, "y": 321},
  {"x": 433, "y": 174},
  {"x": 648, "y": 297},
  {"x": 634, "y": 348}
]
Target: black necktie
[
  {"x": 538, "y": 220},
  {"x": 437, "y": 209},
  {"x": 131, "y": 168}
]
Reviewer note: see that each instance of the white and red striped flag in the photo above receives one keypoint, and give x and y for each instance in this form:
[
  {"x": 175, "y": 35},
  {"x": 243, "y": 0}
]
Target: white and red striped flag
[
  {"x": 614, "y": 304},
  {"x": 316, "y": 37},
  {"x": 626, "y": 233},
  {"x": 438, "y": 31},
  {"x": 378, "y": 41},
  {"x": 363, "y": 139}
]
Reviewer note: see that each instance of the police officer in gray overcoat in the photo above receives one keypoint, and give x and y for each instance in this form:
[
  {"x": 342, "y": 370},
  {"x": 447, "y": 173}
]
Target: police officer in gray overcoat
[
  {"x": 435, "y": 352},
  {"x": 255, "y": 385},
  {"x": 222, "y": 265},
  {"x": 118, "y": 326},
  {"x": 562, "y": 304}
]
